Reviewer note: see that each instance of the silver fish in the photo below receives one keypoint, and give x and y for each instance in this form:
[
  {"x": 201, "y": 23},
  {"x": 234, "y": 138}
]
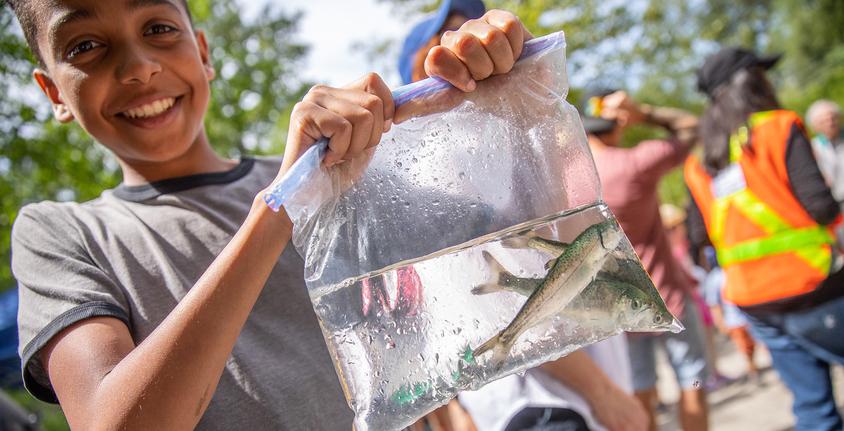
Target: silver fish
[
  {"x": 569, "y": 275},
  {"x": 625, "y": 269},
  {"x": 606, "y": 299}
]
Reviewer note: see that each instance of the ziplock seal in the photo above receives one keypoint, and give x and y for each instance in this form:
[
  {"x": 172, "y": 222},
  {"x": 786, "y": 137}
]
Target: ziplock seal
[{"x": 311, "y": 161}]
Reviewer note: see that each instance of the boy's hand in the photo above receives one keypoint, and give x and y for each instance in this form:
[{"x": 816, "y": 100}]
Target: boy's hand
[
  {"x": 352, "y": 118},
  {"x": 481, "y": 47}
]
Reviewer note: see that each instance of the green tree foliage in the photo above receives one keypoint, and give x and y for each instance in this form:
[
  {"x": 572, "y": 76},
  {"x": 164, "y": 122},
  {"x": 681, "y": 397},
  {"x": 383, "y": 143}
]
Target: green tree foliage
[
  {"x": 255, "y": 88},
  {"x": 653, "y": 47}
]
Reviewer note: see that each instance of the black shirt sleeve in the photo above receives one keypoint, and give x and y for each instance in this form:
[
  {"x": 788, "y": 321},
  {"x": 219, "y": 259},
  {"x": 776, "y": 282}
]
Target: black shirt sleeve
[
  {"x": 806, "y": 180},
  {"x": 696, "y": 230}
]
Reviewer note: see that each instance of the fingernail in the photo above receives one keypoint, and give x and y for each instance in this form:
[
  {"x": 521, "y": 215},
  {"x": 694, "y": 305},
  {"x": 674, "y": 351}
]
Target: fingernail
[
  {"x": 471, "y": 85},
  {"x": 387, "y": 126}
]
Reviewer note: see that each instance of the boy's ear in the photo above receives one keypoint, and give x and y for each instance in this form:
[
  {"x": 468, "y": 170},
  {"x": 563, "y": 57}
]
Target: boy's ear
[
  {"x": 60, "y": 110},
  {"x": 202, "y": 43}
]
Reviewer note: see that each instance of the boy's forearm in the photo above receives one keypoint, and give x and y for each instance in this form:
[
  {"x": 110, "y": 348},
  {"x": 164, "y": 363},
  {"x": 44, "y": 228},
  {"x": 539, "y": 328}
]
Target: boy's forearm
[
  {"x": 681, "y": 123},
  {"x": 168, "y": 380}
]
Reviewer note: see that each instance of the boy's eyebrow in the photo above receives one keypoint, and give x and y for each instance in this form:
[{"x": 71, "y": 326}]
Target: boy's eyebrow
[
  {"x": 80, "y": 14},
  {"x": 138, "y": 4},
  {"x": 65, "y": 19}
]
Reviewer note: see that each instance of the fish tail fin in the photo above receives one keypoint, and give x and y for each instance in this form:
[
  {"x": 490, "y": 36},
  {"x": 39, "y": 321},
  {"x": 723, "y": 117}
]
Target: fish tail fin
[
  {"x": 487, "y": 346},
  {"x": 486, "y": 288},
  {"x": 493, "y": 263},
  {"x": 491, "y": 284}
]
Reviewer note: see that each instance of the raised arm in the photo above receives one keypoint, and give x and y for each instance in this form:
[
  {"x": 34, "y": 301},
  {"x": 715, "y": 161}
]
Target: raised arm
[{"x": 104, "y": 381}]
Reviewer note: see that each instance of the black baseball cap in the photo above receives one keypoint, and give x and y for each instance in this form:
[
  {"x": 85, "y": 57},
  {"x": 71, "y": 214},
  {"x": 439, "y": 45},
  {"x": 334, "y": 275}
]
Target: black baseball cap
[
  {"x": 720, "y": 67},
  {"x": 590, "y": 111}
]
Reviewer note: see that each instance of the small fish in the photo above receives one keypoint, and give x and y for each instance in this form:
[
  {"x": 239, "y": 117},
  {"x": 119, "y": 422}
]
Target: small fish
[
  {"x": 570, "y": 274},
  {"x": 606, "y": 299},
  {"x": 627, "y": 306},
  {"x": 623, "y": 269}
]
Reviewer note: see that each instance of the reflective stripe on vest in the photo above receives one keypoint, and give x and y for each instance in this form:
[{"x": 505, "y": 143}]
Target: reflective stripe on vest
[{"x": 809, "y": 243}]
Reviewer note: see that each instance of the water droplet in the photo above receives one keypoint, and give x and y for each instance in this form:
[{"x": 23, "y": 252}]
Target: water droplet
[
  {"x": 435, "y": 202},
  {"x": 415, "y": 160}
]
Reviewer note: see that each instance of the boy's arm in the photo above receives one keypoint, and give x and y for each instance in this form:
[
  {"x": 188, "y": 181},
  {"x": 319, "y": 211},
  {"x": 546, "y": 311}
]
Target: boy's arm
[
  {"x": 104, "y": 381},
  {"x": 612, "y": 407}
]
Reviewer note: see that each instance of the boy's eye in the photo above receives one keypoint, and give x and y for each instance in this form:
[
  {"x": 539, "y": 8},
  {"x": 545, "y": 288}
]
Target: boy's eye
[
  {"x": 159, "y": 29},
  {"x": 82, "y": 48}
]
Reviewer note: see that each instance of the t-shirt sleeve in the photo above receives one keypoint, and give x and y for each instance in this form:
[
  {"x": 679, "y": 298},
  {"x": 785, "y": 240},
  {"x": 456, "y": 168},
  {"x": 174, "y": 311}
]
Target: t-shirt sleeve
[
  {"x": 653, "y": 159},
  {"x": 59, "y": 284}
]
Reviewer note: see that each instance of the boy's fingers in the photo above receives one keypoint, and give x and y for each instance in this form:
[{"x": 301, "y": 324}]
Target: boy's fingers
[
  {"x": 469, "y": 49},
  {"x": 310, "y": 122},
  {"x": 373, "y": 84},
  {"x": 510, "y": 25},
  {"x": 361, "y": 109},
  {"x": 444, "y": 64},
  {"x": 495, "y": 42},
  {"x": 338, "y": 130}
]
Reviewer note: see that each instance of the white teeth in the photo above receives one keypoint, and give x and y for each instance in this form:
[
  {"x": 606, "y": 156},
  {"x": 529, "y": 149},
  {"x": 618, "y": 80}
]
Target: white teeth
[{"x": 151, "y": 109}]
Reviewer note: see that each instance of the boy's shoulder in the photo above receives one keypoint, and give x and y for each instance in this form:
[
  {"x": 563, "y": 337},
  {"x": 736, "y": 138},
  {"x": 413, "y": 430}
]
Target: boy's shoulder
[{"x": 63, "y": 218}]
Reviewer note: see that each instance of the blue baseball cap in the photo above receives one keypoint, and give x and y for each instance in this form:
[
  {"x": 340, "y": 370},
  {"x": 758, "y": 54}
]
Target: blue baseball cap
[{"x": 430, "y": 26}]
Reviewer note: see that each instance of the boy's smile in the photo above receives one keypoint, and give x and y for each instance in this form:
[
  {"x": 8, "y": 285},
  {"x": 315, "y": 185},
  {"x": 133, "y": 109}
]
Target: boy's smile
[{"x": 133, "y": 73}]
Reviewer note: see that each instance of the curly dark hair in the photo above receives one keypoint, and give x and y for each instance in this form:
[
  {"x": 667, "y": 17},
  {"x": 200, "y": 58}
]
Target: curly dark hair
[{"x": 25, "y": 10}]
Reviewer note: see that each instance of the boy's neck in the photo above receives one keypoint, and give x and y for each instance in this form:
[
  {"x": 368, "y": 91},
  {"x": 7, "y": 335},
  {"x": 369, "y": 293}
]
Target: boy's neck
[{"x": 199, "y": 159}]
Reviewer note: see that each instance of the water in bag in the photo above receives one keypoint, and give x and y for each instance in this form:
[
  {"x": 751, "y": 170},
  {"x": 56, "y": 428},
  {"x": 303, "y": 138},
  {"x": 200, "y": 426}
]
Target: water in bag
[
  {"x": 472, "y": 244},
  {"x": 408, "y": 338}
]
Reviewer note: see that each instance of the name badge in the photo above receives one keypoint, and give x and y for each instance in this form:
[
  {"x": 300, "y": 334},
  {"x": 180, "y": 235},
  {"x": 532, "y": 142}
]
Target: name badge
[{"x": 730, "y": 180}]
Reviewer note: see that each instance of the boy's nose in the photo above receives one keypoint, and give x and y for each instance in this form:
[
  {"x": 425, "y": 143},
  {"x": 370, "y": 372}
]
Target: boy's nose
[{"x": 137, "y": 67}]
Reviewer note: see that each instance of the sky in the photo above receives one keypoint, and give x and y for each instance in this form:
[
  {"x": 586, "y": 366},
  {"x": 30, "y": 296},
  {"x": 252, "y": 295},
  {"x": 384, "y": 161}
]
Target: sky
[{"x": 336, "y": 61}]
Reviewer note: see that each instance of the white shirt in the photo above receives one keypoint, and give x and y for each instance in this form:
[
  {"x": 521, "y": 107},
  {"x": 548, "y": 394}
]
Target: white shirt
[
  {"x": 830, "y": 158},
  {"x": 495, "y": 404}
]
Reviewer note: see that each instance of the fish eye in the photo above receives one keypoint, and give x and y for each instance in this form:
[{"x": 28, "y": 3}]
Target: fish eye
[
  {"x": 635, "y": 304},
  {"x": 657, "y": 319}
]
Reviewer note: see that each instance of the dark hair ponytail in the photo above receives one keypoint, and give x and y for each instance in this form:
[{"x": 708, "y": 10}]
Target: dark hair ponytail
[{"x": 748, "y": 91}]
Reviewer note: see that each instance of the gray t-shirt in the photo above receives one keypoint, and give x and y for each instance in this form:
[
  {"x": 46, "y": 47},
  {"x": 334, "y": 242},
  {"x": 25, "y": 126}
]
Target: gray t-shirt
[{"x": 134, "y": 252}]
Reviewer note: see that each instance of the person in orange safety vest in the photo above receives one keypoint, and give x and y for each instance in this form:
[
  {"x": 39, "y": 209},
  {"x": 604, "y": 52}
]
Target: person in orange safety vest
[{"x": 760, "y": 199}]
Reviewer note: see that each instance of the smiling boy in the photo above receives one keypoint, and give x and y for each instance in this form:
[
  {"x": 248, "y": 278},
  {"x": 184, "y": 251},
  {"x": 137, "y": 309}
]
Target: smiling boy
[{"x": 174, "y": 301}]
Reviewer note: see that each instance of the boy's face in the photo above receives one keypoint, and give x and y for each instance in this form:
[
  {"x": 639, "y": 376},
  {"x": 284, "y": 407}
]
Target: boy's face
[{"x": 132, "y": 72}]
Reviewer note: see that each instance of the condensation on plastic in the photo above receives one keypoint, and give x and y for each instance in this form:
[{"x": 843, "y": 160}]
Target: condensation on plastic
[{"x": 396, "y": 244}]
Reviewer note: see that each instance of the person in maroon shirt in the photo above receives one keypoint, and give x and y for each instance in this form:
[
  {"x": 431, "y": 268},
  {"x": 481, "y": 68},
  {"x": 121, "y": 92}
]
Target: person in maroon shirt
[{"x": 629, "y": 177}]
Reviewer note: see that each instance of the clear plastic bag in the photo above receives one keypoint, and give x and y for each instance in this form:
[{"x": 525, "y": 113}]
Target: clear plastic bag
[{"x": 472, "y": 244}]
